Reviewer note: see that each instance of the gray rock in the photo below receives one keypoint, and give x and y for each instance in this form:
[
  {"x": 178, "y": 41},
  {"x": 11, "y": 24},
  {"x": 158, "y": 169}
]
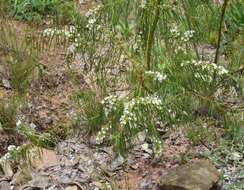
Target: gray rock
[
  {"x": 200, "y": 175},
  {"x": 117, "y": 162},
  {"x": 74, "y": 187},
  {"x": 7, "y": 169},
  {"x": 145, "y": 148},
  {"x": 146, "y": 184},
  {"x": 21, "y": 177},
  {"x": 6, "y": 84},
  {"x": 4, "y": 185},
  {"x": 40, "y": 181}
]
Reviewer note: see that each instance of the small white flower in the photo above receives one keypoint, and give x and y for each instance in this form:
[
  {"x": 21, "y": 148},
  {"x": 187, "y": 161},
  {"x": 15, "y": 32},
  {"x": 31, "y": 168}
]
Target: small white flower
[
  {"x": 157, "y": 76},
  {"x": 92, "y": 21},
  {"x": 175, "y": 31},
  {"x": 18, "y": 123},
  {"x": 143, "y": 4},
  {"x": 11, "y": 148},
  {"x": 89, "y": 13}
]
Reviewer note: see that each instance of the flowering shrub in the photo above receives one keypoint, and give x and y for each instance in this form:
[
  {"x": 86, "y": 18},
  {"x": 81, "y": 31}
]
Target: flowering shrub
[
  {"x": 144, "y": 59},
  {"x": 23, "y": 154},
  {"x": 130, "y": 117}
]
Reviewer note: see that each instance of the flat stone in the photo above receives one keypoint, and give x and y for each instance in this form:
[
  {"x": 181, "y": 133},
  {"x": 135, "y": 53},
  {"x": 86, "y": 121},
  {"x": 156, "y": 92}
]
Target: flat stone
[
  {"x": 74, "y": 187},
  {"x": 48, "y": 158},
  {"x": 4, "y": 185},
  {"x": 40, "y": 181},
  {"x": 21, "y": 177},
  {"x": 200, "y": 175},
  {"x": 6, "y": 83},
  {"x": 7, "y": 169}
]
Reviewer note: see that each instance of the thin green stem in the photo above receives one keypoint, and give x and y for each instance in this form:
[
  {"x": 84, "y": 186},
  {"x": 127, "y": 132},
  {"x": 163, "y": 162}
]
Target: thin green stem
[
  {"x": 221, "y": 22},
  {"x": 188, "y": 20},
  {"x": 151, "y": 33},
  {"x": 216, "y": 59}
]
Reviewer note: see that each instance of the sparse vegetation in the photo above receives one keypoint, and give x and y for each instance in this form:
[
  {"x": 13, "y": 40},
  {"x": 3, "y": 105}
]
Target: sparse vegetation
[
  {"x": 158, "y": 60},
  {"x": 40, "y": 10},
  {"x": 140, "y": 66}
]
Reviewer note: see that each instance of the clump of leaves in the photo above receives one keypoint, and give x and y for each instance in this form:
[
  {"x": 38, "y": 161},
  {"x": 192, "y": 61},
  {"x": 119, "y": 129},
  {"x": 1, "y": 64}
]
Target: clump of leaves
[
  {"x": 91, "y": 110},
  {"x": 20, "y": 73},
  {"x": 8, "y": 114},
  {"x": 200, "y": 133},
  {"x": 20, "y": 58},
  {"x": 44, "y": 140},
  {"x": 23, "y": 155},
  {"x": 235, "y": 17},
  {"x": 60, "y": 131},
  {"x": 37, "y": 10}
]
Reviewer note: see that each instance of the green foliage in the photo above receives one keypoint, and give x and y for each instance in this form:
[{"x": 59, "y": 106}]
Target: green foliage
[
  {"x": 60, "y": 131},
  {"x": 92, "y": 114},
  {"x": 235, "y": 17},
  {"x": 8, "y": 114},
  {"x": 37, "y": 10},
  {"x": 23, "y": 154},
  {"x": 44, "y": 140},
  {"x": 20, "y": 59},
  {"x": 145, "y": 58},
  {"x": 200, "y": 133},
  {"x": 20, "y": 73}
]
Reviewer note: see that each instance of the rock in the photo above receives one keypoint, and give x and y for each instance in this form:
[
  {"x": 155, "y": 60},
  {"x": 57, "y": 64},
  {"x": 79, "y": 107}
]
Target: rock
[
  {"x": 40, "y": 181},
  {"x": 6, "y": 84},
  {"x": 4, "y": 185},
  {"x": 146, "y": 184},
  {"x": 200, "y": 175},
  {"x": 92, "y": 140},
  {"x": 74, "y": 187},
  {"x": 21, "y": 177},
  {"x": 117, "y": 162},
  {"x": 33, "y": 126},
  {"x": 98, "y": 185},
  {"x": 7, "y": 169},
  {"x": 48, "y": 158},
  {"x": 48, "y": 120},
  {"x": 139, "y": 138},
  {"x": 135, "y": 166},
  {"x": 145, "y": 148}
]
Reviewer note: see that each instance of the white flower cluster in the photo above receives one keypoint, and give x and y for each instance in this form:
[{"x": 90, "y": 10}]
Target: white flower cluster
[
  {"x": 184, "y": 36},
  {"x": 187, "y": 35},
  {"x": 91, "y": 16},
  {"x": 110, "y": 103},
  {"x": 14, "y": 152},
  {"x": 103, "y": 133},
  {"x": 12, "y": 148},
  {"x": 143, "y": 4},
  {"x": 136, "y": 43},
  {"x": 8, "y": 156},
  {"x": 157, "y": 76},
  {"x": 175, "y": 31},
  {"x": 207, "y": 66},
  {"x": 181, "y": 38},
  {"x": 180, "y": 49},
  {"x": 130, "y": 117},
  {"x": 67, "y": 32},
  {"x": 18, "y": 123}
]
